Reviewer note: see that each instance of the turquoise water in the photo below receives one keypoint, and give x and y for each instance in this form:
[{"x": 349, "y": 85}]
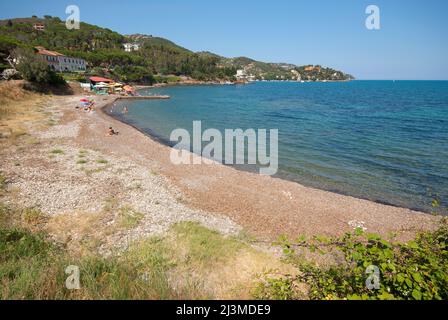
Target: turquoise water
[{"x": 380, "y": 140}]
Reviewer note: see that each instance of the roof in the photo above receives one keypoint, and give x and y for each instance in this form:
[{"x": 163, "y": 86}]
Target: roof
[
  {"x": 49, "y": 53},
  {"x": 100, "y": 79}
]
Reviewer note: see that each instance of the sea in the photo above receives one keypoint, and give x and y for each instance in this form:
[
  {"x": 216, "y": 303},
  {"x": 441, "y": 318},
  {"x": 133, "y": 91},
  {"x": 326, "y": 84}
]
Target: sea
[{"x": 385, "y": 141}]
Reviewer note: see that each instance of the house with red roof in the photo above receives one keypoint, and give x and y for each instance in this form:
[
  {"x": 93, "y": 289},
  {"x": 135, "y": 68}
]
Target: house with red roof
[
  {"x": 95, "y": 80},
  {"x": 60, "y": 62}
]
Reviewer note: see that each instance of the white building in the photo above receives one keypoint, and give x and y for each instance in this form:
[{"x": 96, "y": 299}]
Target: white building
[
  {"x": 241, "y": 75},
  {"x": 296, "y": 75},
  {"x": 61, "y": 63},
  {"x": 39, "y": 27},
  {"x": 129, "y": 47}
]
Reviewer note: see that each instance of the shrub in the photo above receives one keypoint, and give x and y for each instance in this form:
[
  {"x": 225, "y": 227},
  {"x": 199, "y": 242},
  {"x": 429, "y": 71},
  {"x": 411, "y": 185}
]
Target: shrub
[
  {"x": 416, "y": 270},
  {"x": 281, "y": 288},
  {"x": 34, "y": 69}
]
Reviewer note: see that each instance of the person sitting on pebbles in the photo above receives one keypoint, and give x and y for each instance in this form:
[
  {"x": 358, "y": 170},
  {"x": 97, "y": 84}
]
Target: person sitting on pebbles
[{"x": 111, "y": 132}]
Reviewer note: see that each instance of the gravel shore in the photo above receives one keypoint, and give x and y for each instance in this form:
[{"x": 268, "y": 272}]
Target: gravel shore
[{"x": 73, "y": 168}]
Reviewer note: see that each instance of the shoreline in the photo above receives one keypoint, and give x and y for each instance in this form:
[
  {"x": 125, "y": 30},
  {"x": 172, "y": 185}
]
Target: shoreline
[
  {"x": 282, "y": 176},
  {"x": 300, "y": 209},
  {"x": 213, "y": 83}
]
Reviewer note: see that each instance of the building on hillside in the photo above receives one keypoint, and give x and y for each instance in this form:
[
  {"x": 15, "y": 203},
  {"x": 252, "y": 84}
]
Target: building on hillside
[
  {"x": 296, "y": 75},
  {"x": 62, "y": 63},
  {"x": 241, "y": 75},
  {"x": 313, "y": 68},
  {"x": 39, "y": 27},
  {"x": 129, "y": 47}
]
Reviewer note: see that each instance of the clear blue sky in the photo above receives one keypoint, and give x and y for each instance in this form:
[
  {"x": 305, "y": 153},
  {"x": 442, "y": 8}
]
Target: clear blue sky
[{"x": 412, "y": 42}]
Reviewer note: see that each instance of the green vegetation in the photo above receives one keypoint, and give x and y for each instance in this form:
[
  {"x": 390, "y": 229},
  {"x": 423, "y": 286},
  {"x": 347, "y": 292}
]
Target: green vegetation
[
  {"x": 34, "y": 69},
  {"x": 284, "y": 71},
  {"x": 33, "y": 217},
  {"x": 103, "y": 50},
  {"x": 157, "y": 60},
  {"x": 182, "y": 264},
  {"x": 33, "y": 267},
  {"x": 2, "y": 182},
  {"x": 128, "y": 218},
  {"x": 205, "y": 246},
  {"x": 416, "y": 270},
  {"x": 57, "y": 151}
]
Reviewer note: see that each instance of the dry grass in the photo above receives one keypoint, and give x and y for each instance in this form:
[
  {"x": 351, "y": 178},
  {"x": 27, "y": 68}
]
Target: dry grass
[
  {"x": 81, "y": 233},
  {"x": 17, "y": 107},
  {"x": 128, "y": 218},
  {"x": 210, "y": 265},
  {"x": 189, "y": 262}
]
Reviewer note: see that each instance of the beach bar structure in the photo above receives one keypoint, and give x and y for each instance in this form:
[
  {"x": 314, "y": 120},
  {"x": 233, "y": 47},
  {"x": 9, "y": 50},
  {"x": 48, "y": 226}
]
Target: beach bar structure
[
  {"x": 95, "y": 80},
  {"x": 100, "y": 85}
]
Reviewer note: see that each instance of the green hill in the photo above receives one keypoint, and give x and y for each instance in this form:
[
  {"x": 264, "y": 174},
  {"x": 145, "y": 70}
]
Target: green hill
[{"x": 103, "y": 49}]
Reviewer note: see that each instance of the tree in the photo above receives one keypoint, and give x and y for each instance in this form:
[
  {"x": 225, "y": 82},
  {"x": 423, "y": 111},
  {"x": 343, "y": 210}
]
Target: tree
[
  {"x": 9, "y": 23},
  {"x": 34, "y": 69}
]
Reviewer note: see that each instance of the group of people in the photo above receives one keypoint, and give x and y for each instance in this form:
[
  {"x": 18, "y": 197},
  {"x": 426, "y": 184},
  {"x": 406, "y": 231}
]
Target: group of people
[
  {"x": 87, "y": 105},
  {"x": 124, "y": 110}
]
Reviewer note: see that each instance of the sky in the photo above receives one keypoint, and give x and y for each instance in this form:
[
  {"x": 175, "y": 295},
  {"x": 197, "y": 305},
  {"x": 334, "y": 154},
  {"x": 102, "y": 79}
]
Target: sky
[{"x": 412, "y": 42}]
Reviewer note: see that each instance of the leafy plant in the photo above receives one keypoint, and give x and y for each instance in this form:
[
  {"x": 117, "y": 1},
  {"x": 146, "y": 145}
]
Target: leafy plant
[
  {"x": 34, "y": 69},
  {"x": 416, "y": 270}
]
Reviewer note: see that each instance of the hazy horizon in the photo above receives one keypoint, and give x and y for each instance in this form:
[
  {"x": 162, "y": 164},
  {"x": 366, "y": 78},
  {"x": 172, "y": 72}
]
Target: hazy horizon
[{"x": 410, "y": 45}]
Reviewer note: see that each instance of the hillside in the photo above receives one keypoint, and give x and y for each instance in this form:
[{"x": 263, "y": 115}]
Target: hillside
[{"x": 103, "y": 49}]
